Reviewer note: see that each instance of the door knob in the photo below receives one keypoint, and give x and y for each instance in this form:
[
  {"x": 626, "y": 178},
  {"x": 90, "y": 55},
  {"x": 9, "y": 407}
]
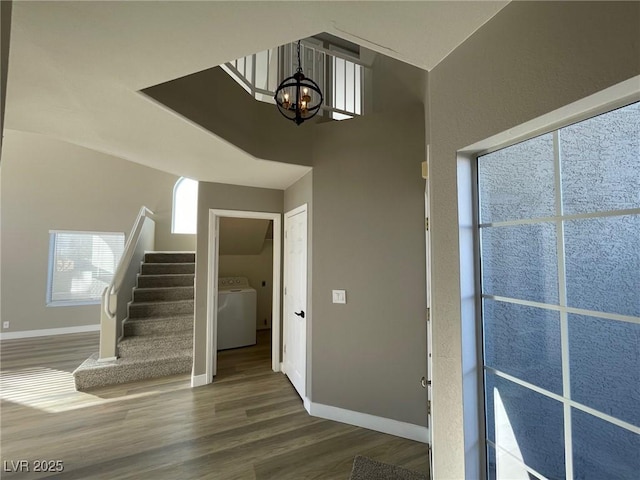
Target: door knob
[{"x": 301, "y": 314}]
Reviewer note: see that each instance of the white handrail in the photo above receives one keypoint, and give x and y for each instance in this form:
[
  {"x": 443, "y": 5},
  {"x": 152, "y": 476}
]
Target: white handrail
[
  {"x": 125, "y": 260},
  {"x": 109, "y": 324}
]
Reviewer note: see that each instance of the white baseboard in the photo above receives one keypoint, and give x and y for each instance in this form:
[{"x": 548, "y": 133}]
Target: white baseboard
[
  {"x": 364, "y": 420},
  {"x": 49, "y": 331},
  {"x": 199, "y": 380}
]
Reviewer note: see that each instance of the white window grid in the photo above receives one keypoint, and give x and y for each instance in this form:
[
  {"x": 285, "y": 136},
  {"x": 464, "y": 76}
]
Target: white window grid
[{"x": 558, "y": 219}]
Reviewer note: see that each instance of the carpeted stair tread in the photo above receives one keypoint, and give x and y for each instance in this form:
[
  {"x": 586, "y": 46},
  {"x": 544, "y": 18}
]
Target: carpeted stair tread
[
  {"x": 166, "y": 280},
  {"x": 93, "y": 374},
  {"x": 157, "y": 325},
  {"x": 187, "y": 317},
  {"x": 135, "y": 341},
  {"x": 152, "y": 294},
  {"x": 169, "y": 263},
  {"x": 142, "y": 345},
  {"x": 161, "y": 308},
  {"x": 158, "y": 333},
  {"x": 163, "y": 302},
  {"x": 167, "y": 268},
  {"x": 170, "y": 257}
]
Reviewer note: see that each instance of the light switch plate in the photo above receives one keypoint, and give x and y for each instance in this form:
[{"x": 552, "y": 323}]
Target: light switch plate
[{"x": 339, "y": 296}]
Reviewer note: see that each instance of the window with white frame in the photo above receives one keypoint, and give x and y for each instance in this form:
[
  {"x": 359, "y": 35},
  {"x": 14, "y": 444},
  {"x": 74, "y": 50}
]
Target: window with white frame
[
  {"x": 81, "y": 265},
  {"x": 185, "y": 206},
  {"x": 346, "y": 88},
  {"x": 559, "y": 230}
]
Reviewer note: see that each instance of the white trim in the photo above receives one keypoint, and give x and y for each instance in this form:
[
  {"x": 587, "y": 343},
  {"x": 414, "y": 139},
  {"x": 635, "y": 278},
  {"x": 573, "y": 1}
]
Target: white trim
[
  {"x": 212, "y": 296},
  {"x": 199, "y": 380},
  {"x": 559, "y": 217},
  {"x": 82, "y": 232},
  {"x": 562, "y": 297},
  {"x": 411, "y": 431},
  {"x": 559, "y": 308},
  {"x": 473, "y": 418},
  {"x": 107, "y": 359},
  {"x": 212, "y": 285},
  {"x": 297, "y": 210},
  {"x": 616, "y": 96},
  {"x": 49, "y": 331},
  {"x": 307, "y": 404},
  {"x": 72, "y": 303},
  {"x": 287, "y": 219}
]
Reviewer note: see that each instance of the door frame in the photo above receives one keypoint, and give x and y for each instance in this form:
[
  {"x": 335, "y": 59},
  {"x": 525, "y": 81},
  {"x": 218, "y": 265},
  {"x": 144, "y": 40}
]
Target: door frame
[
  {"x": 212, "y": 285},
  {"x": 291, "y": 213},
  {"x": 427, "y": 244}
]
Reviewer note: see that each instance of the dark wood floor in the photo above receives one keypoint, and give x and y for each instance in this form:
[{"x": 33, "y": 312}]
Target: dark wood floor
[{"x": 249, "y": 424}]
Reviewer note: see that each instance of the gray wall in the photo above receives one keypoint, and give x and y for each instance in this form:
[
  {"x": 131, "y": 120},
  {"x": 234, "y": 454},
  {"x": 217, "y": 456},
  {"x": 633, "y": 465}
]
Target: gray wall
[
  {"x": 368, "y": 238},
  {"x": 48, "y": 184},
  {"x": 396, "y": 85},
  {"x": 224, "y": 197},
  {"x": 530, "y": 59},
  {"x": 5, "y": 38},
  {"x": 253, "y": 126}
]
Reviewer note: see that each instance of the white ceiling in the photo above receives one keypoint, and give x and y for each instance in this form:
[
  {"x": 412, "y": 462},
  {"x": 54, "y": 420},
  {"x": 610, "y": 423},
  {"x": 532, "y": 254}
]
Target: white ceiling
[{"x": 75, "y": 68}]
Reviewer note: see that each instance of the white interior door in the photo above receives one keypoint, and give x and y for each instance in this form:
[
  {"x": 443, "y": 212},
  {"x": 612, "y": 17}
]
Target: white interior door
[{"x": 295, "y": 298}]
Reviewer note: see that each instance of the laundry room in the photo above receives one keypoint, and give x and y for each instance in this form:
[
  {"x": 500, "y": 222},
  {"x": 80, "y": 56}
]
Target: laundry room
[{"x": 245, "y": 276}]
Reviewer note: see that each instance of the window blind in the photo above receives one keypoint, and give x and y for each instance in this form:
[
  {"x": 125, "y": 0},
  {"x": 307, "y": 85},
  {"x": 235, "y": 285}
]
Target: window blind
[{"x": 82, "y": 265}]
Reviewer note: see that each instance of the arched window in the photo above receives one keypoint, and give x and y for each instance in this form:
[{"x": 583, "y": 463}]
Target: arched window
[{"x": 185, "y": 206}]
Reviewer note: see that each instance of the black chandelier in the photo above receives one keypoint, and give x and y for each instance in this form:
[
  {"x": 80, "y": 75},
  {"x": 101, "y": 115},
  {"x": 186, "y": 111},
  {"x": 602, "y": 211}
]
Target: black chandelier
[{"x": 298, "y": 98}]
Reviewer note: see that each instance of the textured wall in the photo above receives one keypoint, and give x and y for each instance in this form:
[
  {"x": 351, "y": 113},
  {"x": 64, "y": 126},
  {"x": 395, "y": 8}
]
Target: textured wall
[
  {"x": 47, "y": 185},
  {"x": 530, "y": 59},
  {"x": 368, "y": 238},
  {"x": 5, "y": 15}
]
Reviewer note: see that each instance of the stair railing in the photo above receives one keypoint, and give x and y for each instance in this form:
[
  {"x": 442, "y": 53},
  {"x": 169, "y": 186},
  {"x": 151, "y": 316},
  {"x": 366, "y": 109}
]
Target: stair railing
[{"x": 117, "y": 295}]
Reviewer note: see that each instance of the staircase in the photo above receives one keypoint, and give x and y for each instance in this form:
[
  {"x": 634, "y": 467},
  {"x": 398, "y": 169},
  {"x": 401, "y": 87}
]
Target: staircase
[{"x": 158, "y": 332}]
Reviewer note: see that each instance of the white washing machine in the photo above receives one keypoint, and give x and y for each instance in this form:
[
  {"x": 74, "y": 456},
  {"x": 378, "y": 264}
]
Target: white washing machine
[{"x": 236, "y": 313}]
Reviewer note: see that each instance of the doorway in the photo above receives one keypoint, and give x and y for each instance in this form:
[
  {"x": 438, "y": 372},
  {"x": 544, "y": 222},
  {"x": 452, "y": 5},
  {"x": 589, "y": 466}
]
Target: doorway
[{"x": 215, "y": 217}]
